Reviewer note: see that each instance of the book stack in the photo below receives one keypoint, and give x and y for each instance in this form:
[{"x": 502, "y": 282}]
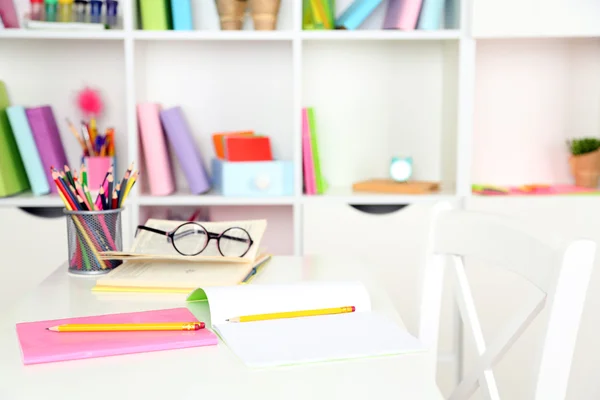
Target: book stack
[
  {"x": 403, "y": 15},
  {"x": 30, "y": 145},
  {"x": 163, "y": 15},
  {"x": 314, "y": 183}
]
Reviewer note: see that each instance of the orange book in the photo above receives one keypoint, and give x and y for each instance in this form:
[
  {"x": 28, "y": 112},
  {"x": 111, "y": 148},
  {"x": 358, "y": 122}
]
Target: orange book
[{"x": 219, "y": 141}]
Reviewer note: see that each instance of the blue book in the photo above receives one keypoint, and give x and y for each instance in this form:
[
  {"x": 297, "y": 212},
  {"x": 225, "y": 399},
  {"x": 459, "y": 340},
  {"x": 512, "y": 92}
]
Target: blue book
[
  {"x": 355, "y": 15},
  {"x": 181, "y": 12},
  {"x": 431, "y": 15},
  {"x": 28, "y": 150}
]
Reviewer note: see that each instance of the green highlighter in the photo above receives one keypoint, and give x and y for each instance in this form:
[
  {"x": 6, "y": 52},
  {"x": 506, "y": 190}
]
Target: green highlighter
[
  {"x": 51, "y": 10},
  {"x": 13, "y": 178}
]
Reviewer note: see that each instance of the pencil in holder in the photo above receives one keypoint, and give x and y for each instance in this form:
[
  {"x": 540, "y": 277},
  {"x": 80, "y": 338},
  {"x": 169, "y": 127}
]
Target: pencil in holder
[
  {"x": 89, "y": 233},
  {"x": 97, "y": 167}
]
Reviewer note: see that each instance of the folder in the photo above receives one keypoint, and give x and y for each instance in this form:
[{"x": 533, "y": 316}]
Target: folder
[
  {"x": 158, "y": 166},
  {"x": 320, "y": 184},
  {"x": 402, "y": 14},
  {"x": 39, "y": 345},
  {"x": 13, "y": 178},
  {"x": 356, "y": 14},
  {"x": 184, "y": 146},
  {"x": 247, "y": 148},
  {"x": 181, "y": 10},
  {"x": 47, "y": 140},
  {"x": 28, "y": 150},
  {"x": 155, "y": 15},
  {"x": 307, "y": 156},
  {"x": 431, "y": 15},
  {"x": 219, "y": 141}
]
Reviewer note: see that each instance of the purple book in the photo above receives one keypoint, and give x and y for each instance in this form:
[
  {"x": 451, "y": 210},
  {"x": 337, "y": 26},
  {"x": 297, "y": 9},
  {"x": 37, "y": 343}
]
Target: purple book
[
  {"x": 185, "y": 148},
  {"x": 47, "y": 140}
]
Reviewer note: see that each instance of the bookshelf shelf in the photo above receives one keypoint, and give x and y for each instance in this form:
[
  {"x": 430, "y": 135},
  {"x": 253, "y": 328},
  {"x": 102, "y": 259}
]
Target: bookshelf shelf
[
  {"x": 48, "y": 35},
  {"x": 450, "y": 34},
  {"x": 214, "y": 35},
  {"x": 29, "y": 200},
  {"x": 179, "y": 199}
]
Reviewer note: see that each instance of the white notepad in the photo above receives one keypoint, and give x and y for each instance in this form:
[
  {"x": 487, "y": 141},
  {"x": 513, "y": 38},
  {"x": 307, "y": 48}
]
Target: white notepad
[{"x": 289, "y": 341}]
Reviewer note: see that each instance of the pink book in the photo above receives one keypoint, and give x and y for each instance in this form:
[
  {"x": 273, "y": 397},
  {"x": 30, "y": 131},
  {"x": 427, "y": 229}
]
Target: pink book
[
  {"x": 402, "y": 14},
  {"x": 307, "y": 156},
  {"x": 39, "y": 345},
  {"x": 156, "y": 154}
]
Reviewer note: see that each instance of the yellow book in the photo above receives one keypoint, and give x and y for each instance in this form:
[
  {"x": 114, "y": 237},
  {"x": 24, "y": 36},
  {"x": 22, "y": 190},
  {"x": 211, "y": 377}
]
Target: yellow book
[{"x": 149, "y": 276}]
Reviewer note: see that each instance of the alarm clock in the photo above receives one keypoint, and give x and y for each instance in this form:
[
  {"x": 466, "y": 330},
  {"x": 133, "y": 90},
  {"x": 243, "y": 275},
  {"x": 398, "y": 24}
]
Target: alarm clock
[{"x": 401, "y": 169}]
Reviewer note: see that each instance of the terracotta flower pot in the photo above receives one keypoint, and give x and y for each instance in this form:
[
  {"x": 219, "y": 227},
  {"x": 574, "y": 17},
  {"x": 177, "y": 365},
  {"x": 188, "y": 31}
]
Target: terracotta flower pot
[
  {"x": 585, "y": 169},
  {"x": 264, "y": 14},
  {"x": 231, "y": 13}
]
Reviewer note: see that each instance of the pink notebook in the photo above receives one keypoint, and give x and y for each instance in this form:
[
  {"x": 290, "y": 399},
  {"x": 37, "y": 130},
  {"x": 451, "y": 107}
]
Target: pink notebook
[{"x": 39, "y": 345}]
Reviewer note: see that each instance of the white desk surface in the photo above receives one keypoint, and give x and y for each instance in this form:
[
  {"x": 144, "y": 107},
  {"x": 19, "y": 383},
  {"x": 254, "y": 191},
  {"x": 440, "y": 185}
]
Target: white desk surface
[{"x": 205, "y": 372}]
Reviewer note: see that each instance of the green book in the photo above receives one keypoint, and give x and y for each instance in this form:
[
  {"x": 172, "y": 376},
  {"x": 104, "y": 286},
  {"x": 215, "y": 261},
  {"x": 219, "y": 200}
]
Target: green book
[
  {"x": 307, "y": 17},
  {"x": 155, "y": 15},
  {"x": 320, "y": 181},
  {"x": 13, "y": 178}
]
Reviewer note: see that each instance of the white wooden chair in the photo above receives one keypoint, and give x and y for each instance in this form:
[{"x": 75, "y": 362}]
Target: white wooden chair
[{"x": 561, "y": 273}]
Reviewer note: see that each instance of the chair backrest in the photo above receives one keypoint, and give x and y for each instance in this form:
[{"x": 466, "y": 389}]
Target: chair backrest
[{"x": 561, "y": 271}]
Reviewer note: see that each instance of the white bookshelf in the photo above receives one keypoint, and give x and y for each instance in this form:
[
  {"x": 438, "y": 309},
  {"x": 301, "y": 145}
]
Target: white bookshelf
[{"x": 376, "y": 93}]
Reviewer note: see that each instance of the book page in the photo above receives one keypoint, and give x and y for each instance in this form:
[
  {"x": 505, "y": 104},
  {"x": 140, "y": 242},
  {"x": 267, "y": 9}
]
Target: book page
[
  {"x": 150, "y": 245},
  {"x": 237, "y": 301},
  {"x": 174, "y": 274},
  {"x": 313, "y": 339}
]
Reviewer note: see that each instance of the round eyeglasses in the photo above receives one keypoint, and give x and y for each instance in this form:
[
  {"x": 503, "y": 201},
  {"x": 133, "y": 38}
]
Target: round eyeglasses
[{"x": 191, "y": 239}]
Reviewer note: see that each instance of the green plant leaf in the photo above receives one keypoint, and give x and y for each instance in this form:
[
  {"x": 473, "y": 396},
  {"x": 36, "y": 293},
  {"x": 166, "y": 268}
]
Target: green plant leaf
[{"x": 583, "y": 145}]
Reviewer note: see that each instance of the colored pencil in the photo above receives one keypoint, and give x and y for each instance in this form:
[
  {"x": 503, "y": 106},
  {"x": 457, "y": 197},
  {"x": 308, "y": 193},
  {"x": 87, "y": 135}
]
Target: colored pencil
[
  {"x": 88, "y": 196},
  {"x": 82, "y": 143},
  {"x": 110, "y": 190},
  {"x": 135, "y": 327},
  {"x": 69, "y": 175},
  {"x": 81, "y": 194},
  {"x": 82, "y": 204},
  {"x": 84, "y": 177},
  {"x": 114, "y": 200},
  {"x": 102, "y": 198}
]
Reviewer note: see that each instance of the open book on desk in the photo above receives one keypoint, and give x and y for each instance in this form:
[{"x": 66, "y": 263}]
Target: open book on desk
[
  {"x": 275, "y": 342},
  {"x": 153, "y": 246}
]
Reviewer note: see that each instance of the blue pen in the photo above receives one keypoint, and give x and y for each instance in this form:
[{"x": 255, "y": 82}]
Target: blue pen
[
  {"x": 111, "y": 12},
  {"x": 96, "y": 11}
]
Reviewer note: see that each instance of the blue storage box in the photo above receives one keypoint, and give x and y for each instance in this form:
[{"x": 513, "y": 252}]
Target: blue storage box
[{"x": 253, "y": 178}]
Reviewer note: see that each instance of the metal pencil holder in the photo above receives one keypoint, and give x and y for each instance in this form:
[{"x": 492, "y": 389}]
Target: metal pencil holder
[{"x": 89, "y": 233}]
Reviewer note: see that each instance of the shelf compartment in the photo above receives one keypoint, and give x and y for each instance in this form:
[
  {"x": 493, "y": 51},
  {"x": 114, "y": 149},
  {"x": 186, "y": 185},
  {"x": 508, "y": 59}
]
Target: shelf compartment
[
  {"x": 214, "y": 35},
  {"x": 206, "y": 18},
  {"x": 217, "y": 94},
  {"x": 67, "y": 34},
  {"x": 531, "y": 97},
  {"x": 450, "y": 34},
  {"x": 373, "y": 100},
  {"x": 51, "y": 73},
  {"x": 278, "y": 238}
]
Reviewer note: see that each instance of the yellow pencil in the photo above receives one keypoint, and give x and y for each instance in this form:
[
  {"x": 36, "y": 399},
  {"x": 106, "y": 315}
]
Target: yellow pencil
[
  {"x": 155, "y": 326},
  {"x": 293, "y": 314}
]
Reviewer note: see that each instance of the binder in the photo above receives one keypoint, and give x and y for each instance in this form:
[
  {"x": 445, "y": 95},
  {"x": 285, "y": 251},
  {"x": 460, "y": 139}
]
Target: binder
[
  {"x": 158, "y": 166},
  {"x": 310, "y": 186},
  {"x": 356, "y": 14},
  {"x": 320, "y": 184},
  {"x": 8, "y": 14},
  {"x": 184, "y": 146},
  {"x": 181, "y": 10},
  {"x": 155, "y": 15},
  {"x": 402, "y": 14},
  {"x": 13, "y": 178},
  {"x": 47, "y": 140},
  {"x": 431, "y": 15},
  {"x": 28, "y": 150}
]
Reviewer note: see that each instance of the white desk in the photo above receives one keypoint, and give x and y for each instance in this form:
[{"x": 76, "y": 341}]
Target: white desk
[{"x": 206, "y": 372}]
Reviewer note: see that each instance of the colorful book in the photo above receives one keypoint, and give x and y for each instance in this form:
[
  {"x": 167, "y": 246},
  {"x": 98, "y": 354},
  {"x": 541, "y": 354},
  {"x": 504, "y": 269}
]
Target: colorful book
[
  {"x": 154, "y": 146},
  {"x": 320, "y": 184},
  {"x": 183, "y": 144},
  {"x": 181, "y": 10},
  {"x": 310, "y": 187},
  {"x": 155, "y": 15},
  {"x": 47, "y": 140},
  {"x": 356, "y": 14},
  {"x": 431, "y": 15},
  {"x": 28, "y": 150},
  {"x": 39, "y": 345},
  {"x": 8, "y": 14},
  {"x": 248, "y": 148},
  {"x": 13, "y": 178},
  {"x": 402, "y": 14}
]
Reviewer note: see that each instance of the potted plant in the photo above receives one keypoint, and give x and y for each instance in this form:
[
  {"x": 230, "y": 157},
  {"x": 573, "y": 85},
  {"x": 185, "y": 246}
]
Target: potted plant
[
  {"x": 231, "y": 13},
  {"x": 585, "y": 161}
]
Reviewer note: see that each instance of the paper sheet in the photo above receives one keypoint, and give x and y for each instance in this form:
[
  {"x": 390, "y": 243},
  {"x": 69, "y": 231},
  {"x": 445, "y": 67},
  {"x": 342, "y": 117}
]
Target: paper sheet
[
  {"x": 230, "y": 302},
  {"x": 314, "y": 339}
]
